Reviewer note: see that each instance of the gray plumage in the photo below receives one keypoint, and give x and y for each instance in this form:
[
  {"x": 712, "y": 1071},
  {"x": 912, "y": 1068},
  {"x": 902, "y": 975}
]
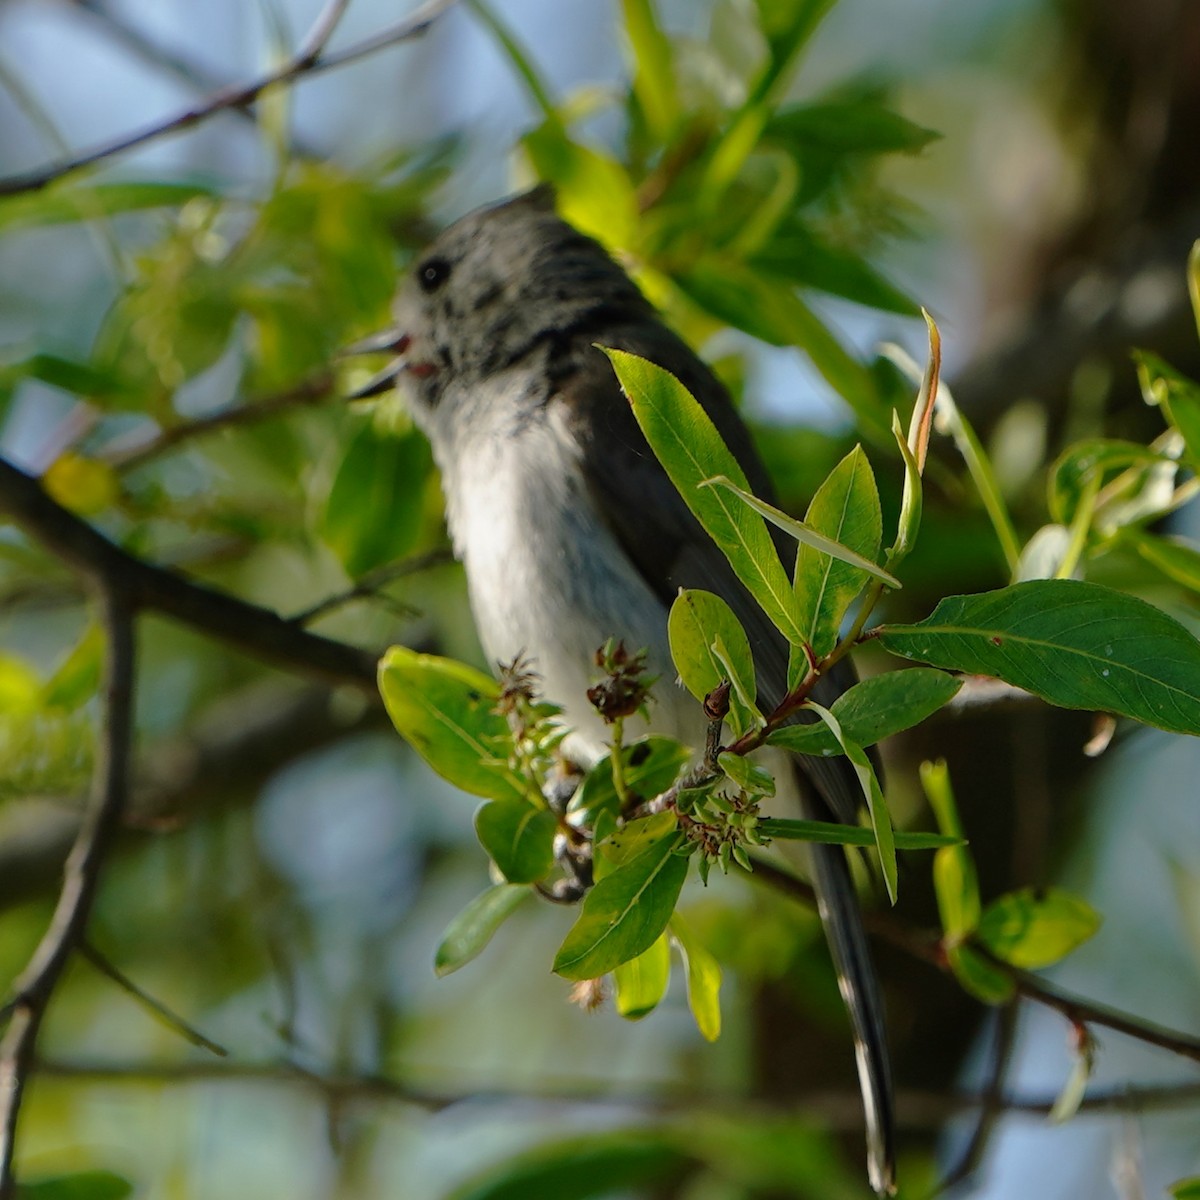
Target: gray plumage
[{"x": 569, "y": 529}]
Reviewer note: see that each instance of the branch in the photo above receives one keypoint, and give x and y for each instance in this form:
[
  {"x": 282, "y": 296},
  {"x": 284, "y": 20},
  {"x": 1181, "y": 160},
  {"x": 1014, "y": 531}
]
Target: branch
[
  {"x": 35, "y": 986},
  {"x": 259, "y": 632},
  {"x": 183, "y": 69},
  {"x": 309, "y": 60},
  {"x": 308, "y": 391},
  {"x": 927, "y": 946},
  {"x": 1081, "y": 1011},
  {"x": 373, "y": 581},
  {"x": 172, "y": 1020},
  {"x": 837, "y": 1109}
]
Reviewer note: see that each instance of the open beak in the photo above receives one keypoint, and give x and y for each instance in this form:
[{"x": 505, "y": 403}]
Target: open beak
[{"x": 390, "y": 341}]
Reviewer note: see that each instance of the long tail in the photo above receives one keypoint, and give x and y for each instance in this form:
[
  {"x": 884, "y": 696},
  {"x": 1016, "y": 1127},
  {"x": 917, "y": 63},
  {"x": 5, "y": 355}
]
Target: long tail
[{"x": 838, "y": 905}]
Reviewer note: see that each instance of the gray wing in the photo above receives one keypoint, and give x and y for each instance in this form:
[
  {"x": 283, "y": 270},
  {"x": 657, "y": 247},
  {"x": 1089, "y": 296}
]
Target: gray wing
[{"x": 671, "y": 551}]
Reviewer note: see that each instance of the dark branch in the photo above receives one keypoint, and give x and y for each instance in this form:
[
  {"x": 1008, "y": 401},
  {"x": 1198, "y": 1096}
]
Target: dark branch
[
  {"x": 257, "y": 631},
  {"x": 927, "y": 946},
  {"x": 35, "y": 986},
  {"x": 916, "y": 1110},
  {"x": 309, "y": 61},
  {"x": 157, "y": 1008}
]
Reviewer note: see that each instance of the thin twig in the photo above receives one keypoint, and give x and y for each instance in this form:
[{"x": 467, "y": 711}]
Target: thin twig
[
  {"x": 991, "y": 1101},
  {"x": 916, "y": 1110},
  {"x": 171, "y": 1019},
  {"x": 229, "y": 98},
  {"x": 1079, "y": 1010},
  {"x": 35, "y": 986},
  {"x": 926, "y": 945},
  {"x": 322, "y": 30},
  {"x": 306, "y": 392},
  {"x": 372, "y": 581}
]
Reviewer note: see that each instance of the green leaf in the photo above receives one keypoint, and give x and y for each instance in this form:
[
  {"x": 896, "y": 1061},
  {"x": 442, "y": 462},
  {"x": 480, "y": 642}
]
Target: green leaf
[
  {"x": 1187, "y": 1189},
  {"x": 375, "y": 507},
  {"x": 1176, "y": 394},
  {"x": 642, "y": 982},
  {"x": 981, "y": 978},
  {"x": 77, "y": 677},
  {"x": 1084, "y": 461},
  {"x": 584, "y": 1167},
  {"x": 593, "y": 191},
  {"x": 787, "y": 25},
  {"x": 652, "y": 765},
  {"x": 625, "y": 912},
  {"x": 1175, "y": 557},
  {"x": 954, "y": 879},
  {"x": 68, "y": 375},
  {"x": 860, "y": 126},
  {"x": 519, "y": 838},
  {"x": 845, "y": 508},
  {"x": 872, "y": 710},
  {"x": 470, "y": 931},
  {"x": 690, "y": 449},
  {"x": 770, "y": 310},
  {"x": 881, "y": 820},
  {"x": 834, "y": 833},
  {"x": 912, "y": 502},
  {"x": 654, "y": 68},
  {"x": 1070, "y": 1097},
  {"x": 1035, "y": 928},
  {"x": 798, "y": 255},
  {"x": 446, "y": 711},
  {"x": 83, "y": 1185},
  {"x": 697, "y": 621},
  {"x": 749, "y": 776},
  {"x": 803, "y": 533},
  {"x": 631, "y": 840},
  {"x": 68, "y": 204},
  {"x": 1077, "y": 645},
  {"x": 703, "y": 979}
]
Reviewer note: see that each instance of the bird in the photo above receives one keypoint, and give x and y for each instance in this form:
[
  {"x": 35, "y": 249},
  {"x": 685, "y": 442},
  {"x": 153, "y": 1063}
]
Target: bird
[{"x": 571, "y": 533}]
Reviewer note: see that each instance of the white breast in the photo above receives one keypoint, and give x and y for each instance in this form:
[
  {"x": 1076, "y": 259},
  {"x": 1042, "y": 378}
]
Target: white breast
[{"x": 547, "y": 578}]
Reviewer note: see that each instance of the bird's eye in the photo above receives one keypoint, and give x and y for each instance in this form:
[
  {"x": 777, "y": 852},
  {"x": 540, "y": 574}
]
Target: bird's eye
[{"x": 432, "y": 274}]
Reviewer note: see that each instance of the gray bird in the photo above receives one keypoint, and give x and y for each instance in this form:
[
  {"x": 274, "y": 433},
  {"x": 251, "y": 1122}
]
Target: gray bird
[{"x": 571, "y": 532}]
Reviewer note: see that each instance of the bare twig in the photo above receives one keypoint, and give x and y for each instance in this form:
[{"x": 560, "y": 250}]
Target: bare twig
[
  {"x": 371, "y": 582},
  {"x": 35, "y": 986},
  {"x": 991, "y": 1101},
  {"x": 171, "y": 1019},
  {"x": 257, "y": 631},
  {"x": 298, "y": 66},
  {"x": 926, "y": 945},
  {"x": 307, "y": 392},
  {"x": 916, "y": 1110},
  {"x": 322, "y": 30},
  {"x": 1085, "y": 1012}
]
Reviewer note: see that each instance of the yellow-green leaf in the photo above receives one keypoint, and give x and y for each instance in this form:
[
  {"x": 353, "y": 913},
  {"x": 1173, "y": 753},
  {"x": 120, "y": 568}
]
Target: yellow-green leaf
[{"x": 446, "y": 711}]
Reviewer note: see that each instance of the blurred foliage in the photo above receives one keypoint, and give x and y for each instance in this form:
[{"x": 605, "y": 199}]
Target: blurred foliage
[{"x": 291, "y": 904}]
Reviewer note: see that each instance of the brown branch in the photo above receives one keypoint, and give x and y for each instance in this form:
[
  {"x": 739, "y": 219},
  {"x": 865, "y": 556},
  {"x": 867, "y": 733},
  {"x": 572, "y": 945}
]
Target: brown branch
[
  {"x": 991, "y": 1101},
  {"x": 35, "y": 986},
  {"x": 306, "y": 392},
  {"x": 257, "y": 631},
  {"x": 838, "y": 1109},
  {"x": 927, "y": 946},
  {"x": 307, "y": 62},
  {"x": 1085, "y": 1012}
]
